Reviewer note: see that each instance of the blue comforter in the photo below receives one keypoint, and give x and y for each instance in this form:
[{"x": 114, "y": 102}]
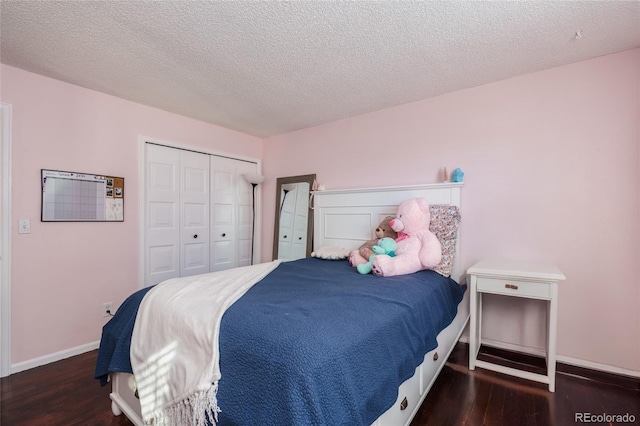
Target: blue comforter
[{"x": 313, "y": 343}]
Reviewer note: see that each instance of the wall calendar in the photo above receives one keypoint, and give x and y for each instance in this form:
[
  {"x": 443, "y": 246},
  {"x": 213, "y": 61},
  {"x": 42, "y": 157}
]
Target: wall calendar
[{"x": 81, "y": 197}]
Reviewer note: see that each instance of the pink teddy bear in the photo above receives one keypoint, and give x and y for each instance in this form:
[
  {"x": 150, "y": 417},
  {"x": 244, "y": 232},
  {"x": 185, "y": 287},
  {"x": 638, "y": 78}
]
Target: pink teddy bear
[{"x": 418, "y": 248}]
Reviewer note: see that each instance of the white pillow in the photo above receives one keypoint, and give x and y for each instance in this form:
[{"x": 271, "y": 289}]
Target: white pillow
[{"x": 331, "y": 253}]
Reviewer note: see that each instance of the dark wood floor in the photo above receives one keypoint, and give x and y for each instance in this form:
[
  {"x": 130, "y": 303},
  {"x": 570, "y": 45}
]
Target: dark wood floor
[{"x": 64, "y": 393}]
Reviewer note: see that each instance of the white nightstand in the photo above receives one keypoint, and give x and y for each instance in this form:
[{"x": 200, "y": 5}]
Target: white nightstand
[{"x": 518, "y": 279}]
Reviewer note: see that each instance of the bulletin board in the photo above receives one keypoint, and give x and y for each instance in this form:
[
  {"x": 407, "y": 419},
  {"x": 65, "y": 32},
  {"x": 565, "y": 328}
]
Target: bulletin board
[{"x": 81, "y": 197}]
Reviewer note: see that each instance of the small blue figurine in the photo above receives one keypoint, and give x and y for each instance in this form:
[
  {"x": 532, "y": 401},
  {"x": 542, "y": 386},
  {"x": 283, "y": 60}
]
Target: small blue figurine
[{"x": 457, "y": 175}]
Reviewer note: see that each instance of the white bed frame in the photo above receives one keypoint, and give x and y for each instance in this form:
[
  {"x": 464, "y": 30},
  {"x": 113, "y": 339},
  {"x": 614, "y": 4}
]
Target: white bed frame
[{"x": 347, "y": 218}]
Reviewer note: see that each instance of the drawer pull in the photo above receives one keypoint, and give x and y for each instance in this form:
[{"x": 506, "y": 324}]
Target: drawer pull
[
  {"x": 435, "y": 356},
  {"x": 511, "y": 286},
  {"x": 403, "y": 404}
]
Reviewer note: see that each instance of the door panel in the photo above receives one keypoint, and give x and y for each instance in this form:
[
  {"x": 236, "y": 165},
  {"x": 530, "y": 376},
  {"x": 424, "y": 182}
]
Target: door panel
[
  {"x": 223, "y": 223},
  {"x": 162, "y": 223},
  {"x": 161, "y": 260},
  {"x": 194, "y": 217}
]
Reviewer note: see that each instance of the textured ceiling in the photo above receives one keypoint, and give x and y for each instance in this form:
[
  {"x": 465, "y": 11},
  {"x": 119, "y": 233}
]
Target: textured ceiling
[{"x": 267, "y": 68}]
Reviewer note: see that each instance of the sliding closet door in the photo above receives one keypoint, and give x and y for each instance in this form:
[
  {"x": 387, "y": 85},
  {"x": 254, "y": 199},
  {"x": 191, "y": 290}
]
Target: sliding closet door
[
  {"x": 162, "y": 233},
  {"x": 223, "y": 215},
  {"x": 194, "y": 213},
  {"x": 231, "y": 213},
  {"x": 199, "y": 213},
  {"x": 177, "y": 208}
]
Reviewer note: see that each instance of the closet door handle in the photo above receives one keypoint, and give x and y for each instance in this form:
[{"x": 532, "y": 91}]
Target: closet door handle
[{"x": 195, "y": 235}]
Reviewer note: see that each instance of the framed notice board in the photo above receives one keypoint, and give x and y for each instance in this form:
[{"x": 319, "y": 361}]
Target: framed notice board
[{"x": 81, "y": 197}]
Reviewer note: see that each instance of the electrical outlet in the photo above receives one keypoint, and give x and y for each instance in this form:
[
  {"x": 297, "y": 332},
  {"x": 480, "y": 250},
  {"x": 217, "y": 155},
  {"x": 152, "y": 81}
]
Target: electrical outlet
[{"x": 107, "y": 309}]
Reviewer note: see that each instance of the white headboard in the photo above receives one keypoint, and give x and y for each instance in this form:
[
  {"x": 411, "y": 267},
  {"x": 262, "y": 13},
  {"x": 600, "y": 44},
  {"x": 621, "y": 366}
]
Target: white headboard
[{"x": 348, "y": 217}]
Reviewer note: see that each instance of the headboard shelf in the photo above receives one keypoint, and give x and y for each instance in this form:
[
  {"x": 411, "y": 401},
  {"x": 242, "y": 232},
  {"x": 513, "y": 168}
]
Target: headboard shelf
[
  {"x": 436, "y": 193},
  {"x": 393, "y": 188}
]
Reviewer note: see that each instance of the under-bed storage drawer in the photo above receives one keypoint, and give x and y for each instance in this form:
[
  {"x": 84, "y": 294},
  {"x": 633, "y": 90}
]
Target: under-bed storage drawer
[
  {"x": 408, "y": 399},
  {"x": 430, "y": 366},
  {"x": 536, "y": 290}
]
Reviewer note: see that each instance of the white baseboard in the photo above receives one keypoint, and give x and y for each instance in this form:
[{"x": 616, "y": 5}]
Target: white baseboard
[
  {"x": 577, "y": 362},
  {"x": 57, "y": 356},
  {"x": 598, "y": 366}
]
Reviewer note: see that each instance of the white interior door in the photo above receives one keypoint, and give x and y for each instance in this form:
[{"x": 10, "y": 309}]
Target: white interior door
[
  {"x": 2, "y": 237},
  {"x": 162, "y": 233},
  {"x": 194, "y": 213}
]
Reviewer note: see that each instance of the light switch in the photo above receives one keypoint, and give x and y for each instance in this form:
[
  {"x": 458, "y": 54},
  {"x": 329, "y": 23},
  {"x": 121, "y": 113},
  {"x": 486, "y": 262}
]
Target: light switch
[{"x": 24, "y": 226}]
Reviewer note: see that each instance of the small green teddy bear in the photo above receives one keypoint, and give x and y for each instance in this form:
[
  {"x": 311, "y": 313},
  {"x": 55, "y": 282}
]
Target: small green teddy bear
[{"x": 386, "y": 246}]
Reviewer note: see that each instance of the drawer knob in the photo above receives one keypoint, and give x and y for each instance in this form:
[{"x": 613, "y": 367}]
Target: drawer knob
[
  {"x": 435, "y": 356},
  {"x": 511, "y": 286},
  {"x": 403, "y": 404}
]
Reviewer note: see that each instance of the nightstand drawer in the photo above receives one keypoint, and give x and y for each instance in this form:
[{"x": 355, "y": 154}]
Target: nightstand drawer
[{"x": 538, "y": 290}]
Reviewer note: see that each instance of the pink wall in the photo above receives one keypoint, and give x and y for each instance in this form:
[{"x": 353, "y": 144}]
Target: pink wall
[
  {"x": 63, "y": 272},
  {"x": 551, "y": 162}
]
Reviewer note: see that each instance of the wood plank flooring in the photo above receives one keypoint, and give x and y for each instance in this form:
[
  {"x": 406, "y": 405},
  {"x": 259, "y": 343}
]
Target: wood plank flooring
[
  {"x": 65, "y": 393},
  {"x": 481, "y": 397}
]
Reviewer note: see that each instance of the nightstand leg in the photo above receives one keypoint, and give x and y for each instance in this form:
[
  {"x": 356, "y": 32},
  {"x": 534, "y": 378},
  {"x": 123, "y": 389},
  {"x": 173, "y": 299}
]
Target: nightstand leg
[
  {"x": 473, "y": 324},
  {"x": 551, "y": 345}
]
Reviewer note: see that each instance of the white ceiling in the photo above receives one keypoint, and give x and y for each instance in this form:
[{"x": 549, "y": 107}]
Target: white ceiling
[{"x": 267, "y": 68}]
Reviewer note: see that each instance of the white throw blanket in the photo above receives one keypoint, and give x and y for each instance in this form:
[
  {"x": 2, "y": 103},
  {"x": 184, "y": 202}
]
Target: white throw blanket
[{"x": 174, "y": 347}]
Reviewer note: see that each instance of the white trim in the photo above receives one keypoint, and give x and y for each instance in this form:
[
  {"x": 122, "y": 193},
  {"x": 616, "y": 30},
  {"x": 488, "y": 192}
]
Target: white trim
[
  {"x": 57, "y": 356},
  {"x": 142, "y": 140},
  {"x": 141, "y": 208},
  {"x": 201, "y": 149},
  {"x": 577, "y": 362},
  {"x": 5, "y": 267},
  {"x": 598, "y": 366}
]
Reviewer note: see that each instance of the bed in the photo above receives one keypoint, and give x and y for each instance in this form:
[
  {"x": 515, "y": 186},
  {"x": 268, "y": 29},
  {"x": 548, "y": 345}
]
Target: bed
[{"x": 326, "y": 344}]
